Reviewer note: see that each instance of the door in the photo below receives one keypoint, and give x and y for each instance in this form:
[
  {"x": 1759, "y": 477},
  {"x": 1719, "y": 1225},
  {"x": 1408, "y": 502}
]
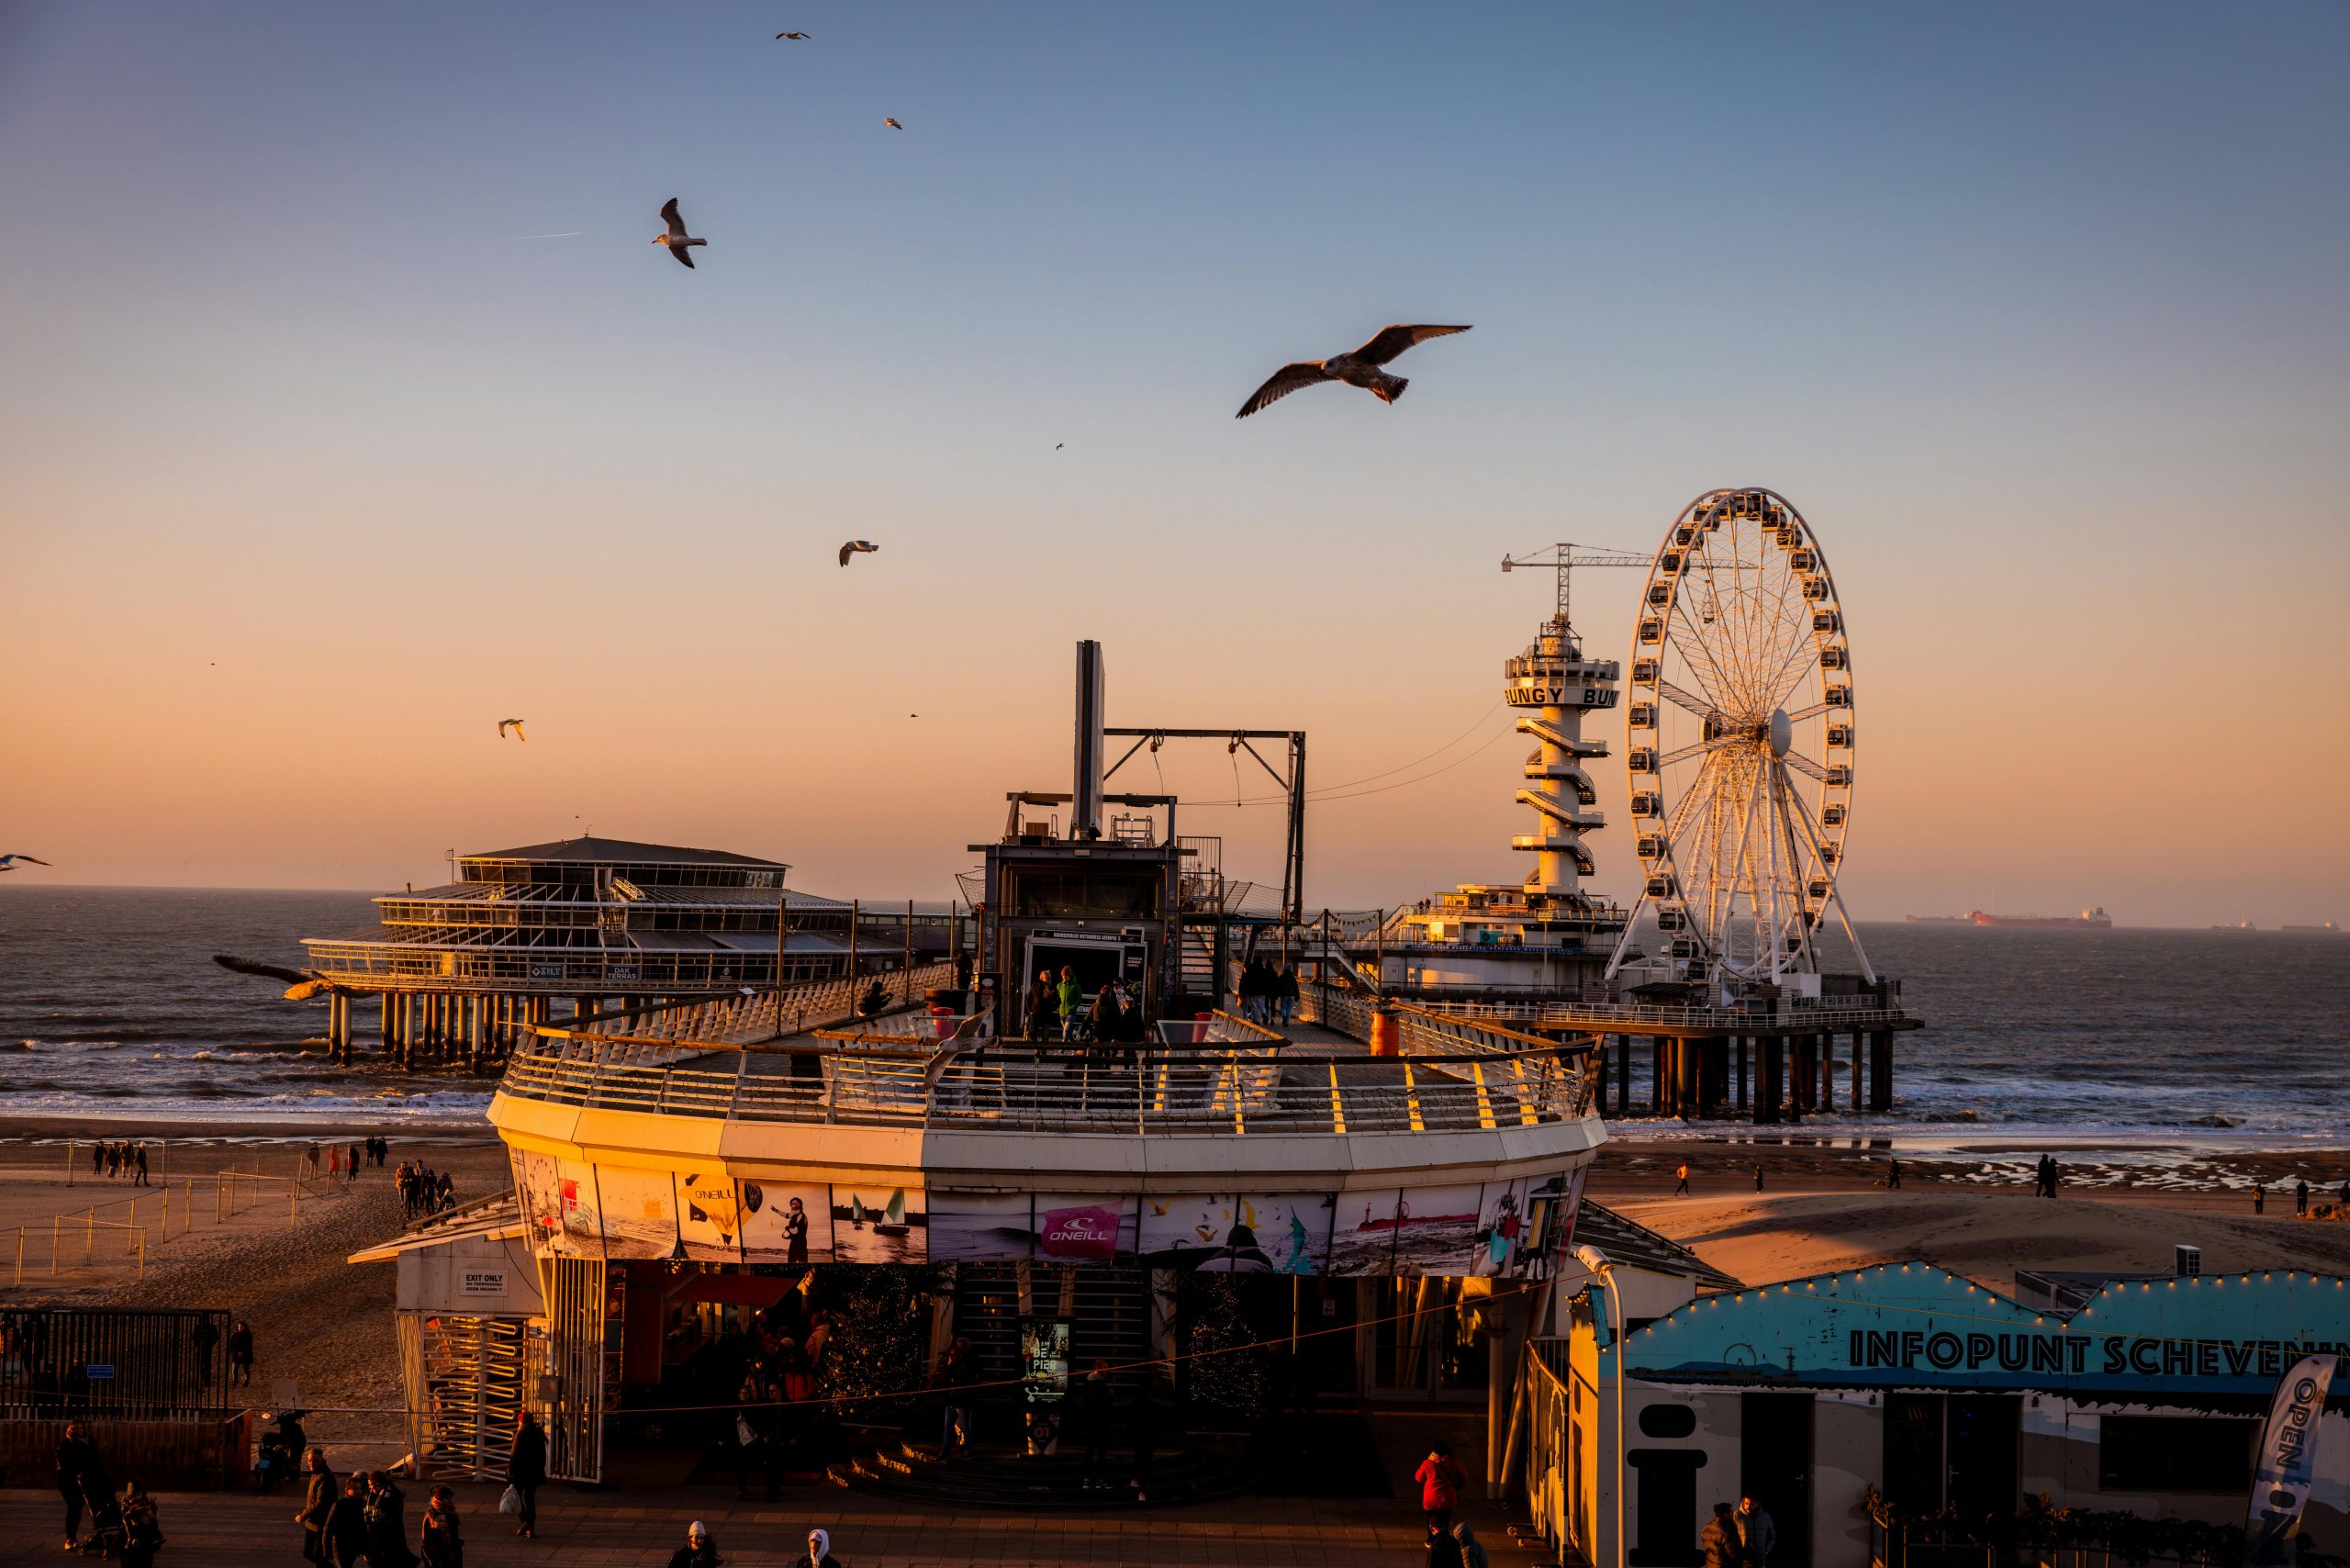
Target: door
[
  {"x": 1774, "y": 1467},
  {"x": 1913, "y": 1451},
  {"x": 1981, "y": 1443}
]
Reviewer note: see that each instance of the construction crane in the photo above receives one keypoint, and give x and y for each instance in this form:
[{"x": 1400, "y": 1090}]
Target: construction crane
[{"x": 1565, "y": 557}]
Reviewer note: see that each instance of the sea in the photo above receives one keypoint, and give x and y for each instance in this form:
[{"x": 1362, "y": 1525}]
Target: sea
[{"x": 110, "y": 1005}]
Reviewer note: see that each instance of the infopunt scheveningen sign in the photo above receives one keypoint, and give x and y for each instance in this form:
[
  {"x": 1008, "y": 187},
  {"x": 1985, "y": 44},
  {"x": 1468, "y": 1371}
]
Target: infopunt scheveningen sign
[{"x": 1914, "y": 1326}]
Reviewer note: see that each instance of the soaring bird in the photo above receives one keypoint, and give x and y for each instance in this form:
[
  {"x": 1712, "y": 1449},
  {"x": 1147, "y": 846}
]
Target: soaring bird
[
  {"x": 857, "y": 547},
  {"x": 791, "y": 35},
  {"x": 893, "y": 125},
  {"x": 676, "y": 239},
  {"x": 8, "y": 862},
  {"x": 1360, "y": 368},
  {"x": 514, "y": 725},
  {"x": 307, "y": 983}
]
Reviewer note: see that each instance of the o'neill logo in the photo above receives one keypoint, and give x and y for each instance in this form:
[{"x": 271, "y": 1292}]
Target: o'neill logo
[{"x": 1088, "y": 1231}]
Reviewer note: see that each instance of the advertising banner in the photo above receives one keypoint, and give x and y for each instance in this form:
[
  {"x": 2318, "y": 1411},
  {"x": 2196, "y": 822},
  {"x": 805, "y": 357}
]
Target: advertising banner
[
  {"x": 786, "y": 1225},
  {"x": 1362, "y": 1233},
  {"x": 1290, "y": 1230},
  {"x": 1081, "y": 1229},
  {"x": 2287, "y": 1461},
  {"x": 980, "y": 1228},
  {"x": 710, "y": 1216},
  {"x": 880, "y": 1225},
  {"x": 640, "y": 1211}
]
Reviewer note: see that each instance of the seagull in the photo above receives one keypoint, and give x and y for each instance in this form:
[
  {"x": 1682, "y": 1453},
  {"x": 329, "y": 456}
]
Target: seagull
[
  {"x": 307, "y": 983},
  {"x": 791, "y": 35},
  {"x": 893, "y": 125},
  {"x": 857, "y": 547},
  {"x": 676, "y": 239},
  {"x": 1360, "y": 368},
  {"x": 516, "y": 724},
  {"x": 8, "y": 862},
  {"x": 1058, "y": 444}
]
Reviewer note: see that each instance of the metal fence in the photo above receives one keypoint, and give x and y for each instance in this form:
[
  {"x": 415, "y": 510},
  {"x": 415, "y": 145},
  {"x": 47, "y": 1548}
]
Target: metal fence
[{"x": 138, "y": 1364}]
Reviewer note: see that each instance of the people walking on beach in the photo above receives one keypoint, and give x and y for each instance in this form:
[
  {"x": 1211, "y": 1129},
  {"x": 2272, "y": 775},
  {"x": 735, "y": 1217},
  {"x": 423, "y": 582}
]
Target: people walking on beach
[
  {"x": 1681, "y": 1180},
  {"x": 317, "y": 1508},
  {"x": 819, "y": 1550},
  {"x": 240, "y": 1353},
  {"x": 1893, "y": 1177},
  {"x": 98, "y": 1159},
  {"x": 1758, "y": 1175},
  {"x": 311, "y": 1155},
  {"x": 2259, "y": 1198},
  {"x": 440, "y": 1544},
  {"x": 334, "y": 1159},
  {"x": 1441, "y": 1478},
  {"x": 700, "y": 1550},
  {"x": 350, "y": 1163},
  {"x": 81, "y": 1479},
  {"x": 114, "y": 1159},
  {"x": 1758, "y": 1536},
  {"x": 2300, "y": 1199},
  {"x": 1719, "y": 1540},
  {"x": 526, "y": 1470},
  {"x": 140, "y": 1155},
  {"x": 142, "y": 1530}
]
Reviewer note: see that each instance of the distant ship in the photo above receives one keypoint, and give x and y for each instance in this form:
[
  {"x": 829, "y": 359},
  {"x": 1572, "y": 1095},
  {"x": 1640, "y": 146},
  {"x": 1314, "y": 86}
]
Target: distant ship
[
  {"x": 1942, "y": 918},
  {"x": 2239, "y": 926},
  {"x": 2328, "y": 925},
  {"x": 2089, "y": 918}
]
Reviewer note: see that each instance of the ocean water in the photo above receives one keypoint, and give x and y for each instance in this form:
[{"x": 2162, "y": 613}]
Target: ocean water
[{"x": 111, "y": 1004}]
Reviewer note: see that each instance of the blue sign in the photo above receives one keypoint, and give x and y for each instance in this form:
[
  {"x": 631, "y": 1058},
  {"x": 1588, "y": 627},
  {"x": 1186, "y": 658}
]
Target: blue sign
[
  {"x": 98, "y": 1371},
  {"x": 1916, "y": 1325}
]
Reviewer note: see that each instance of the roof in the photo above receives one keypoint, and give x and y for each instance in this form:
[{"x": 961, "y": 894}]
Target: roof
[
  {"x": 497, "y": 1217},
  {"x": 1630, "y": 1243},
  {"x": 625, "y": 851}
]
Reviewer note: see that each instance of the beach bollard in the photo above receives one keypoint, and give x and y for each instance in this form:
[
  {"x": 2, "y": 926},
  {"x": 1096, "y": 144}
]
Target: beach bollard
[
  {"x": 142, "y": 1253},
  {"x": 52, "y": 1246},
  {"x": 89, "y": 1234},
  {"x": 20, "y": 1255}
]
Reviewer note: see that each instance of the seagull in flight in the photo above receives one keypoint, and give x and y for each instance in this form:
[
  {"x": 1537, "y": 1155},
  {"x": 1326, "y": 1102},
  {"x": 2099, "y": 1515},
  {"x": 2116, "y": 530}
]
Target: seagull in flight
[
  {"x": 791, "y": 35},
  {"x": 893, "y": 125},
  {"x": 306, "y": 983},
  {"x": 857, "y": 547},
  {"x": 516, "y": 725},
  {"x": 1360, "y": 368},
  {"x": 8, "y": 862},
  {"x": 676, "y": 239}
]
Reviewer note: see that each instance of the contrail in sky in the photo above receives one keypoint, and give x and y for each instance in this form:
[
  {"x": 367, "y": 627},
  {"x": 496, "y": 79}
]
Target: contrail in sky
[{"x": 566, "y": 234}]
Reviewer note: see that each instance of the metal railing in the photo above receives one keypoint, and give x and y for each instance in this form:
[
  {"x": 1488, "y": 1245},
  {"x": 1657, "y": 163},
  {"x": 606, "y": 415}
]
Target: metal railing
[
  {"x": 1239, "y": 1090},
  {"x": 658, "y": 1034},
  {"x": 1618, "y": 1016}
]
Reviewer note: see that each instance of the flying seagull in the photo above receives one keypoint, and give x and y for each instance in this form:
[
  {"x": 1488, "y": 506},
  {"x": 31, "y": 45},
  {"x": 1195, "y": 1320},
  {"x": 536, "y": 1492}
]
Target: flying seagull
[
  {"x": 306, "y": 983},
  {"x": 516, "y": 724},
  {"x": 1058, "y": 444},
  {"x": 791, "y": 35},
  {"x": 857, "y": 547},
  {"x": 676, "y": 239},
  {"x": 1360, "y": 368},
  {"x": 8, "y": 862},
  {"x": 893, "y": 125}
]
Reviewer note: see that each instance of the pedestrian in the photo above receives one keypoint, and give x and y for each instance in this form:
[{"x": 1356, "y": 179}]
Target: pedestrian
[
  {"x": 350, "y": 1163},
  {"x": 81, "y": 1479},
  {"x": 143, "y": 1531},
  {"x": 1441, "y": 1478},
  {"x": 97, "y": 1158},
  {"x": 1472, "y": 1550},
  {"x": 312, "y": 1154},
  {"x": 2259, "y": 1198},
  {"x": 1893, "y": 1177},
  {"x": 526, "y": 1470},
  {"x": 114, "y": 1159},
  {"x": 141, "y": 1153},
  {"x": 346, "y": 1530},
  {"x": 2344, "y": 1199},
  {"x": 1109, "y": 1021},
  {"x": 1442, "y": 1550},
  {"x": 756, "y": 1438},
  {"x": 240, "y": 1353},
  {"x": 1093, "y": 1404},
  {"x": 1757, "y": 1535},
  {"x": 1719, "y": 1540},
  {"x": 1042, "y": 1005},
  {"x": 819, "y": 1550},
  {"x": 700, "y": 1550},
  {"x": 317, "y": 1508},
  {"x": 207, "y": 1339},
  {"x": 1071, "y": 996},
  {"x": 2300, "y": 1199},
  {"x": 445, "y": 1191},
  {"x": 1758, "y": 1175},
  {"x": 388, "y": 1524},
  {"x": 334, "y": 1159},
  {"x": 1681, "y": 1180},
  {"x": 443, "y": 1543},
  {"x": 954, "y": 1370}
]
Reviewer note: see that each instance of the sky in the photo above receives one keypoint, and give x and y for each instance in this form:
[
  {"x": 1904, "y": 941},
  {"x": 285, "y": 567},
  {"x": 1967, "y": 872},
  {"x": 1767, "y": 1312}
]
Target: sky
[{"x": 312, "y": 467}]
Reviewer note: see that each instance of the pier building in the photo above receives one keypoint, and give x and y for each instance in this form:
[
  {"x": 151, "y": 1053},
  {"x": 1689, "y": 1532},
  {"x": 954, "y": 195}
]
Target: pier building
[{"x": 525, "y": 935}]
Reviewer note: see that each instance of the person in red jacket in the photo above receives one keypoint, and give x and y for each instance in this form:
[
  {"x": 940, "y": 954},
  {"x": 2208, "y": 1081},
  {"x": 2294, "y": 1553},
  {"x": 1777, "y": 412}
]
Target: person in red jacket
[{"x": 1441, "y": 1478}]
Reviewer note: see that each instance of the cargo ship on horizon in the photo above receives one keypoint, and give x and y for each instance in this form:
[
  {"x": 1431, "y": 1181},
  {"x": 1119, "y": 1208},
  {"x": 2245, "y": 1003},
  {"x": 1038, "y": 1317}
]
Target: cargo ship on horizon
[{"x": 2087, "y": 920}]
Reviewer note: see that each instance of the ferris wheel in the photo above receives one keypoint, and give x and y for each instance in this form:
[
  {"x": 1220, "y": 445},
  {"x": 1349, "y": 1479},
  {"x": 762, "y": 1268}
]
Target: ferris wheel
[{"x": 1741, "y": 723}]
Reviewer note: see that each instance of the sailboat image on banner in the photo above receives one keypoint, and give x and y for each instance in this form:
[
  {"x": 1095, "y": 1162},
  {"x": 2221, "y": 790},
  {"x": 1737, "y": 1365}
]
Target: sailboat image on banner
[{"x": 889, "y": 1220}]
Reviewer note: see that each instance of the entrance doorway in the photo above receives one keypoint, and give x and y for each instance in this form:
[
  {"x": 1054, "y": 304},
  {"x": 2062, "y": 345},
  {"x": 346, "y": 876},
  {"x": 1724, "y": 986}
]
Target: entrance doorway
[
  {"x": 1774, "y": 1467},
  {"x": 1952, "y": 1450}
]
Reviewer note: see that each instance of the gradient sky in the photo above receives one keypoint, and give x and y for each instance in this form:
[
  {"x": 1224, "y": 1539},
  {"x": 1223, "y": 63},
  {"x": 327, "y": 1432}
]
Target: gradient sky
[{"x": 310, "y": 470}]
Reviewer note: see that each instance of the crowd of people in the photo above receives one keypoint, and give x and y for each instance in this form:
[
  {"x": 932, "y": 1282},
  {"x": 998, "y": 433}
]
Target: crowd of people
[
  {"x": 126, "y": 1159},
  {"x": 1058, "y": 1010},
  {"x": 1268, "y": 992},
  {"x": 423, "y": 1191}
]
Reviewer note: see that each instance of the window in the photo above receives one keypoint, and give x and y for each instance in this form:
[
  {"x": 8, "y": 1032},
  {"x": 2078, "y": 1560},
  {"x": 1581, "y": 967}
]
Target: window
[
  {"x": 1077, "y": 895},
  {"x": 2175, "y": 1454}
]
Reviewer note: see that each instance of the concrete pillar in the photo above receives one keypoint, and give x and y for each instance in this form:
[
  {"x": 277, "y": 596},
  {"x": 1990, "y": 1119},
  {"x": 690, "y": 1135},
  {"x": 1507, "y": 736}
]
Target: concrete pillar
[
  {"x": 1660, "y": 1086},
  {"x": 1881, "y": 1071},
  {"x": 1741, "y": 1081},
  {"x": 383, "y": 1016},
  {"x": 1623, "y": 1075}
]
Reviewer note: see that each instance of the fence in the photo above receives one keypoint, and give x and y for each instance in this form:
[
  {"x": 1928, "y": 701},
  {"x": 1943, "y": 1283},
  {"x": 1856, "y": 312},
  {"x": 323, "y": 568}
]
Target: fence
[
  {"x": 142, "y": 1364},
  {"x": 96, "y": 1234}
]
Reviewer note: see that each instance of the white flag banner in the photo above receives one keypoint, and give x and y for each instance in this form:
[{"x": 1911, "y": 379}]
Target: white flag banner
[{"x": 2287, "y": 1459}]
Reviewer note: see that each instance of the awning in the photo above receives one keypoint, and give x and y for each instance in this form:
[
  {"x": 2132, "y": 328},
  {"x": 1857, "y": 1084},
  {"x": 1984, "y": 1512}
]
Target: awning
[{"x": 494, "y": 1218}]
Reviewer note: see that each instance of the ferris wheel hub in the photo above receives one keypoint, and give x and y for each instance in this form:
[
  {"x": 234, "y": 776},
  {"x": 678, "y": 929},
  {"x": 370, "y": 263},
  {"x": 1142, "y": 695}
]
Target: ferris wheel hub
[{"x": 1783, "y": 732}]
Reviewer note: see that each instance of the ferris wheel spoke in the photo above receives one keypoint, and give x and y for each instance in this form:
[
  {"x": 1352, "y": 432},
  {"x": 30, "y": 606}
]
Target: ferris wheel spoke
[
  {"x": 1814, "y": 711},
  {"x": 1697, "y": 748},
  {"x": 1805, "y": 765},
  {"x": 1695, "y": 704},
  {"x": 1696, "y": 652}
]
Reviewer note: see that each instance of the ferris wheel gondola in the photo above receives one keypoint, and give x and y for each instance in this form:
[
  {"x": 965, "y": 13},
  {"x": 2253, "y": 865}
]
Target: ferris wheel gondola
[{"x": 1740, "y": 742}]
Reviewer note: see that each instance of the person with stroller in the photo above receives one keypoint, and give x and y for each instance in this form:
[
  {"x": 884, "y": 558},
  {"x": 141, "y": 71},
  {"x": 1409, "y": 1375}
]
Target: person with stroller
[{"x": 81, "y": 1481}]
